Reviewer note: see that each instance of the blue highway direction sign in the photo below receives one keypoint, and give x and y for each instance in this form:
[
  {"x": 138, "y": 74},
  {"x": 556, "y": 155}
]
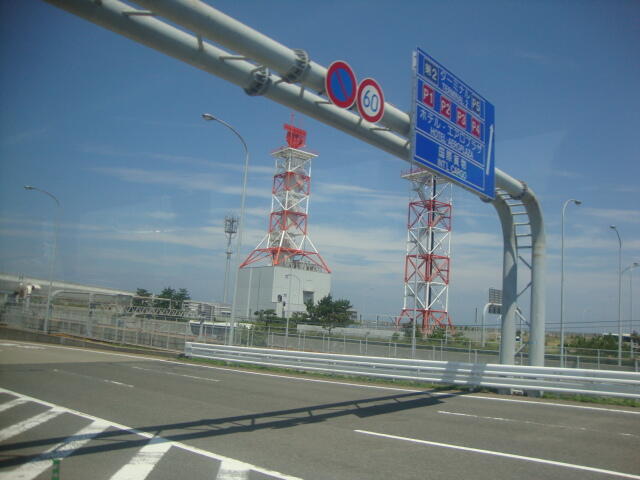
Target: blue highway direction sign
[{"x": 453, "y": 127}]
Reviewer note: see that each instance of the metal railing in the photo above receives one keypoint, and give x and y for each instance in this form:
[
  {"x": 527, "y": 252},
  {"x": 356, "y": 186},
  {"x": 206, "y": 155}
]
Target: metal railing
[
  {"x": 512, "y": 377},
  {"x": 106, "y": 326},
  {"x": 112, "y": 324}
]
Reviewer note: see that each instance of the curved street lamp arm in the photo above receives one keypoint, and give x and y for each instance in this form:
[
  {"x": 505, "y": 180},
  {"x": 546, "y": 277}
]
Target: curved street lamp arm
[{"x": 31, "y": 187}]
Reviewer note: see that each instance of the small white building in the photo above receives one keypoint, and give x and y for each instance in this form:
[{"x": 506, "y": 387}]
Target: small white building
[{"x": 282, "y": 289}]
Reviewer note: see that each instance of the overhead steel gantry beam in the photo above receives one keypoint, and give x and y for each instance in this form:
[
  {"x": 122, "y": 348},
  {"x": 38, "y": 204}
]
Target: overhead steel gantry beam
[{"x": 293, "y": 85}]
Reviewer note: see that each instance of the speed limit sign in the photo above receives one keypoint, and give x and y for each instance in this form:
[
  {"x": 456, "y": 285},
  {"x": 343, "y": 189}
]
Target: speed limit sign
[{"x": 370, "y": 100}]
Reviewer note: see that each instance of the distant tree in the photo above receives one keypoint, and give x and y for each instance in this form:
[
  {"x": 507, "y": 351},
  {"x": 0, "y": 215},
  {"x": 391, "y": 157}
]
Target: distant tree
[
  {"x": 179, "y": 298},
  {"x": 142, "y": 292},
  {"x": 329, "y": 313},
  {"x": 167, "y": 293},
  {"x": 438, "y": 333},
  {"x": 299, "y": 317},
  {"x": 602, "y": 342},
  {"x": 408, "y": 331},
  {"x": 267, "y": 316}
]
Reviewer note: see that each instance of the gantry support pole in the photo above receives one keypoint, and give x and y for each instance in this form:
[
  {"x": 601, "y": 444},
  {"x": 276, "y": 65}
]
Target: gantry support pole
[{"x": 509, "y": 283}]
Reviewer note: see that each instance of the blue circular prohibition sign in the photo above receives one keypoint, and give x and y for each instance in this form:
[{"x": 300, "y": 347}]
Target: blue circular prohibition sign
[{"x": 340, "y": 84}]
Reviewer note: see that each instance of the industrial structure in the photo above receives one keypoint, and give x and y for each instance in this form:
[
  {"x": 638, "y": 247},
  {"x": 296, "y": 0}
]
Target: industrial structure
[
  {"x": 427, "y": 262},
  {"x": 286, "y": 253}
]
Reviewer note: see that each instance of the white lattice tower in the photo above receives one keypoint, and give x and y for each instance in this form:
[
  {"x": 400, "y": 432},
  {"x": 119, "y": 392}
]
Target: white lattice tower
[
  {"x": 427, "y": 262},
  {"x": 287, "y": 242}
]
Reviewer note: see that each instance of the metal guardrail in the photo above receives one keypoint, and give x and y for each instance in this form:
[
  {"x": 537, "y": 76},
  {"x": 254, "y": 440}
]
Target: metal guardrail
[{"x": 513, "y": 377}]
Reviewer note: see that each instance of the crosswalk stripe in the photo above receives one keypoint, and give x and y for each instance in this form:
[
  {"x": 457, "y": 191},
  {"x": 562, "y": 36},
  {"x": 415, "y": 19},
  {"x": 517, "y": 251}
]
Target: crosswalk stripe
[
  {"x": 235, "y": 467},
  {"x": 42, "y": 462},
  {"x": 233, "y": 470},
  {"x": 144, "y": 460},
  {"x": 29, "y": 423},
  {"x": 13, "y": 403}
]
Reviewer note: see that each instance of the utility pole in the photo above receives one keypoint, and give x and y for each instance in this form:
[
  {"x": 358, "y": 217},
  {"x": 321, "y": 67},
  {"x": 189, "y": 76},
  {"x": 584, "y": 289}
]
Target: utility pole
[{"x": 230, "y": 229}]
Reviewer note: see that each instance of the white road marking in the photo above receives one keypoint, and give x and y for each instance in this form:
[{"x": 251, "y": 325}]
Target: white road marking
[
  {"x": 200, "y": 378},
  {"x": 529, "y": 422},
  {"x": 118, "y": 383},
  {"x": 502, "y": 454},
  {"x": 29, "y": 423},
  {"x": 31, "y": 469},
  {"x": 119, "y": 426},
  {"x": 20, "y": 345},
  {"x": 232, "y": 470},
  {"x": 140, "y": 466},
  {"x": 176, "y": 374},
  {"x": 13, "y": 403},
  {"x": 554, "y": 404},
  {"x": 106, "y": 380},
  {"x": 355, "y": 385}
]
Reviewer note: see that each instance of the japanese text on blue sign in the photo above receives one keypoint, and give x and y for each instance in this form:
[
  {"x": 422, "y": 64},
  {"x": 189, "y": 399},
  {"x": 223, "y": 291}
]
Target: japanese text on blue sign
[{"x": 453, "y": 127}]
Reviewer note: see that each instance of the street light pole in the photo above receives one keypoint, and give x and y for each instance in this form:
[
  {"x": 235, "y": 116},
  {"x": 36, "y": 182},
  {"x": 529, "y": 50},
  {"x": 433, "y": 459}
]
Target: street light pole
[
  {"x": 209, "y": 117},
  {"x": 52, "y": 262},
  {"x": 636, "y": 264},
  {"x": 564, "y": 207},
  {"x": 630, "y": 268},
  {"x": 289, "y": 296},
  {"x": 614, "y": 228}
]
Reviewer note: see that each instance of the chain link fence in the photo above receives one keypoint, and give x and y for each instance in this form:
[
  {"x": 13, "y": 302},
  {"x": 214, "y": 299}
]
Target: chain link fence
[{"x": 114, "y": 324}]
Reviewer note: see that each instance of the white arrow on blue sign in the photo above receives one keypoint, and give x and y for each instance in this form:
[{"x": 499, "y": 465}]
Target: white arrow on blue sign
[{"x": 453, "y": 127}]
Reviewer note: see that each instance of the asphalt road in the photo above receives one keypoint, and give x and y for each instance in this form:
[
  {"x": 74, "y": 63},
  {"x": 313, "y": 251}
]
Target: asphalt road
[{"x": 116, "y": 416}]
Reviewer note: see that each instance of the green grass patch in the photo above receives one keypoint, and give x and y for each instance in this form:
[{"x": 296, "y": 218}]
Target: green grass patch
[{"x": 623, "y": 402}]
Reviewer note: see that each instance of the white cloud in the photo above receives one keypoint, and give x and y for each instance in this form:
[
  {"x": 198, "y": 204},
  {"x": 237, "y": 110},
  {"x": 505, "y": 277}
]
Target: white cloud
[
  {"x": 110, "y": 151},
  {"x": 24, "y": 136},
  {"x": 187, "y": 181},
  {"x": 159, "y": 215},
  {"x": 614, "y": 215},
  {"x": 129, "y": 257}
]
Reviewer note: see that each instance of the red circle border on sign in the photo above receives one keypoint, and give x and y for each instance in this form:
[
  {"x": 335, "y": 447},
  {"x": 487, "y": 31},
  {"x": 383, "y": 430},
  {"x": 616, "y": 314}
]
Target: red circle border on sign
[
  {"x": 370, "y": 118},
  {"x": 340, "y": 65}
]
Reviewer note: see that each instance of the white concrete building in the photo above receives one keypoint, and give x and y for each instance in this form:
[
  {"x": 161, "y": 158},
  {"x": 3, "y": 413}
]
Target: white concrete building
[{"x": 279, "y": 288}]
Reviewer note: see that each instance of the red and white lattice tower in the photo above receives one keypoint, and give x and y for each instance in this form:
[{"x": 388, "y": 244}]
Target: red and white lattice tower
[
  {"x": 287, "y": 242},
  {"x": 427, "y": 262}
]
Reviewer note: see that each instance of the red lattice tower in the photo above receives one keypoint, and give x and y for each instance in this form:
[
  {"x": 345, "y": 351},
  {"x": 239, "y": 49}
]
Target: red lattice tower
[
  {"x": 287, "y": 242},
  {"x": 427, "y": 262}
]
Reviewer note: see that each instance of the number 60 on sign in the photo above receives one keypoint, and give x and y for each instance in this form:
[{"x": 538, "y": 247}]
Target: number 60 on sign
[{"x": 370, "y": 100}]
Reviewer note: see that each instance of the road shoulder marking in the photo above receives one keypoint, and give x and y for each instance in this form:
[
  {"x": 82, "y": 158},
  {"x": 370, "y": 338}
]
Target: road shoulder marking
[{"x": 501, "y": 454}]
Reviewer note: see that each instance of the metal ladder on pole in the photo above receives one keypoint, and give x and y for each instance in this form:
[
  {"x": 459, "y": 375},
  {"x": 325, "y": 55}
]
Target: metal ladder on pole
[{"x": 524, "y": 243}]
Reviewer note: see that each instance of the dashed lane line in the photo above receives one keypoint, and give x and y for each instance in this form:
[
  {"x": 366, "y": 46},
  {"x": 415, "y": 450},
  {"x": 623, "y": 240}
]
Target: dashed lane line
[
  {"x": 529, "y": 422},
  {"x": 176, "y": 374},
  {"x": 105, "y": 380}
]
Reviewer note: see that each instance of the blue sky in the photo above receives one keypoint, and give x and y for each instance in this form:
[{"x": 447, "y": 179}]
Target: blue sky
[{"x": 113, "y": 129}]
